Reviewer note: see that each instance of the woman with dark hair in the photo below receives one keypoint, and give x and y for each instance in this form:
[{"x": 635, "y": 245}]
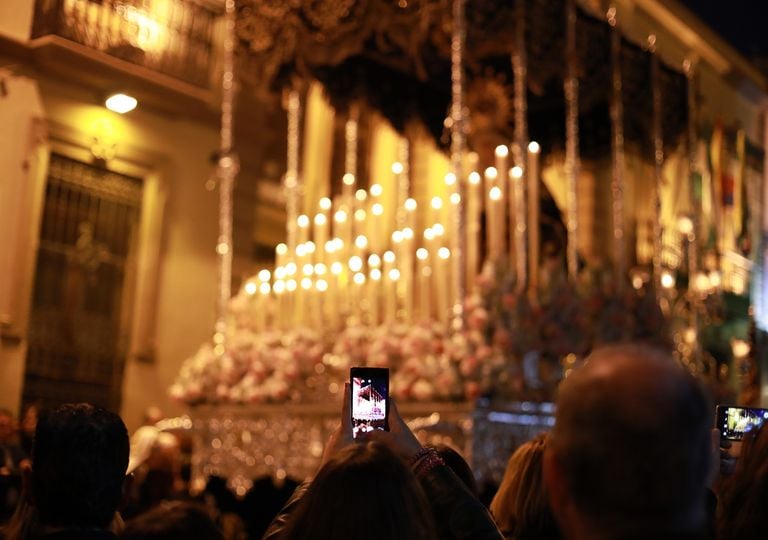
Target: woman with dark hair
[
  {"x": 383, "y": 485},
  {"x": 743, "y": 502},
  {"x": 520, "y": 507},
  {"x": 364, "y": 491}
]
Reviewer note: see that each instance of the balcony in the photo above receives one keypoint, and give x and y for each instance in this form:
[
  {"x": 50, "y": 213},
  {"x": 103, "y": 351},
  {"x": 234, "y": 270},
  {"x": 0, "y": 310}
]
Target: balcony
[{"x": 171, "y": 37}]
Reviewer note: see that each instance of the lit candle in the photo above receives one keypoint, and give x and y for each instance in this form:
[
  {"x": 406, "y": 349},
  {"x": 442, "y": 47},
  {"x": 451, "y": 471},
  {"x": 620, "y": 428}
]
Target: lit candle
[
  {"x": 441, "y": 286},
  {"x": 321, "y": 234},
  {"x": 496, "y": 219},
  {"x": 425, "y": 279},
  {"x": 501, "y": 153},
  {"x": 520, "y": 253},
  {"x": 533, "y": 218},
  {"x": 437, "y": 207},
  {"x": 407, "y": 272},
  {"x": 491, "y": 210},
  {"x": 392, "y": 276},
  {"x": 473, "y": 228},
  {"x": 374, "y": 284}
]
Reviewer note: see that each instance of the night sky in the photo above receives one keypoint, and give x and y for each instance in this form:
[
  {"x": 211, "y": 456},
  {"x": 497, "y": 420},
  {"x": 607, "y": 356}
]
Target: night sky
[{"x": 744, "y": 23}]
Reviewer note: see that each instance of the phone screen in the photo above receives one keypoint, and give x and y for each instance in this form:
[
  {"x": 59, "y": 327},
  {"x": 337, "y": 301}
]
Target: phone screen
[
  {"x": 370, "y": 394},
  {"x": 735, "y": 422}
]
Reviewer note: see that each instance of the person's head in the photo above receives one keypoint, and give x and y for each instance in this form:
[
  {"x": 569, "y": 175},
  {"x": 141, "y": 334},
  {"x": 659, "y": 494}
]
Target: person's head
[
  {"x": 170, "y": 521},
  {"x": 364, "y": 491},
  {"x": 29, "y": 418},
  {"x": 521, "y": 507},
  {"x": 630, "y": 449},
  {"x": 78, "y": 466},
  {"x": 741, "y": 504},
  {"x": 459, "y": 466},
  {"x": 7, "y": 426}
]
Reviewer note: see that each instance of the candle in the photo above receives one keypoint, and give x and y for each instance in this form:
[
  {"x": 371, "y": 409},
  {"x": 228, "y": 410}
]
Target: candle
[
  {"x": 473, "y": 228},
  {"x": 441, "y": 285},
  {"x": 437, "y": 206},
  {"x": 392, "y": 275},
  {"x": 501, "y": 152},
  {"x": 517, "y": 177},
  {"x": 533, "y": 218},
  {"x": 407, "y": 272},
  {"x": 493, "y": 194},
  {"x": 374, "y": 284},
  {"x": 425, "y": 278},
  {"x": 496, "y": 219}
]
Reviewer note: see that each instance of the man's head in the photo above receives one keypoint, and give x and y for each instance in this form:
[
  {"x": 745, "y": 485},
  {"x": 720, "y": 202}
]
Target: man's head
[
  {"x": 630, "y": 448},
  {"x": 79, "y": 462}
]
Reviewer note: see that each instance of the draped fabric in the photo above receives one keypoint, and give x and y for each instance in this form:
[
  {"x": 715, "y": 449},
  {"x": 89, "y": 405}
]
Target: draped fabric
[{"x": 395, "y": 56}]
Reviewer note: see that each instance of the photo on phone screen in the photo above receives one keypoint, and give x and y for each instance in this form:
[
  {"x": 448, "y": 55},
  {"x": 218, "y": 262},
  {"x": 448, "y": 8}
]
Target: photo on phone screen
[
  {"x": 735, "y": 422},
  {"x": 370, "y": 393}
]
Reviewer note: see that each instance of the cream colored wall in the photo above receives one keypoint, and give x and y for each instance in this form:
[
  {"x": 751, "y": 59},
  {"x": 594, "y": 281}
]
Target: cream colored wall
[
  {"x": 16, "y": 18},
  {"x": 187, "y": 275}
]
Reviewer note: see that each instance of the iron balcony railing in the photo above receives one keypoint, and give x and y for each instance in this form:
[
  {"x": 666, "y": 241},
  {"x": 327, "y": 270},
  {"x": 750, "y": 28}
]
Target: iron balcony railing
[{"x": 173, "y": 37}]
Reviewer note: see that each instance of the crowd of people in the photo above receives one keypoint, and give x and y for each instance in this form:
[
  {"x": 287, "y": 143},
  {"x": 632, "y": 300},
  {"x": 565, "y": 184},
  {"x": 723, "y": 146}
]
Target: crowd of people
[{"x": 633, "y": 455}]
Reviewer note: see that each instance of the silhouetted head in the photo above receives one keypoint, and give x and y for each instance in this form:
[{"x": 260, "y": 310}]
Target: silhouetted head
[
  {"x": 364, "y": 491},
  {"x": 741, "y": 504},
  {"x": 171, "y": 521},
  {"x": 521, "y": 506},
  {"x": 629, "y": 452},
  {"x": 459, "y": 466},
  {"x": 78, "y": 466}
]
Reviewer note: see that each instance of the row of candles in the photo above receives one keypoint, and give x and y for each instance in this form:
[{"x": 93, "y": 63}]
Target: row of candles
[{"x": 354, "y": 262}]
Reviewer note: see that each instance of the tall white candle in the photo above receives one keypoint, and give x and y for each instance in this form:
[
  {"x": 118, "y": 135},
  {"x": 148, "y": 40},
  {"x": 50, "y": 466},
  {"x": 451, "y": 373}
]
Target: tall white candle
[
  {"x": 425, "y": 281},
  {"x": 474, "y": 201},
  {"x": 533, "y": 218},
  {"x": 501, "y": 152}
]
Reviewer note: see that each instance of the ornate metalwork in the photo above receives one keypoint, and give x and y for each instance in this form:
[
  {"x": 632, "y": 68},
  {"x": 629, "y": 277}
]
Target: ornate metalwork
[{"x": 174, "y": 37}]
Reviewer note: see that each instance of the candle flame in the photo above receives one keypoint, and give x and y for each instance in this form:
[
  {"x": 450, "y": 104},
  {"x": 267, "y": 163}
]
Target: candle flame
[
  {"x": 250, "y": 288},
  {"x": 303, "y": 221},
  {"x": 502, "y": 150},
  {"x": 361, "y": 195},
  {"x": 375, "y": 274},
  {"x": 437, "y": 203},
  {"x": 533, "y": 147},
  {"x": 389, "y": 256},
  {"x": 394, "y": 274},
  {"x": 265, "y": 288},
  {"x": 374, "y": 261},
  {"x": 516, "y": 172},
  {"x": 443, "y": 253},
  {"x": 325, "y": 203},
  {"x": 422, "y": 254},
  {"x": 377, "y": 209},
  {"x": 306, "y": 283},
  {"x": 320, "y": 269},
  {"x": 355, "y": 263},
  {"x": 361, "y": 242},
  {"x": 491, "y": 173},
  {"x": 410, "y": 205},
  {"x": 321, "y": 285},
  {"x": 397, "y": 167},
  {"x": 495, "y": 193},
  {"x": 281, "y": 249},
  {"x": 359, "y": 279},
  {"x": 450, "y": 179},
  {"x": 348, "y": 179},
  {"x": 377, "y": 190},
  {"x": 474, "y": 178},
  {"x": 308, "y": 269}
]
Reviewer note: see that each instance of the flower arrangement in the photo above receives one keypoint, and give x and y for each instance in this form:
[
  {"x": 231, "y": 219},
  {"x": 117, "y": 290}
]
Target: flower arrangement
[{"x": 511, "y": 347}]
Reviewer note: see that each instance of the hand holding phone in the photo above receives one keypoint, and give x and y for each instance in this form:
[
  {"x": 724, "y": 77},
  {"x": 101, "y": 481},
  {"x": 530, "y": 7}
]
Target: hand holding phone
[
  {"x": 369, "y": 399},
  {"x": 735, "y": 422}
]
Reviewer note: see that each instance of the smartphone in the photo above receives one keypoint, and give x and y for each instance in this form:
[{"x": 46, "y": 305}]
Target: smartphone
[
  {"x": 370, "y": 399},
  {"x": 735, "y": 422}
]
